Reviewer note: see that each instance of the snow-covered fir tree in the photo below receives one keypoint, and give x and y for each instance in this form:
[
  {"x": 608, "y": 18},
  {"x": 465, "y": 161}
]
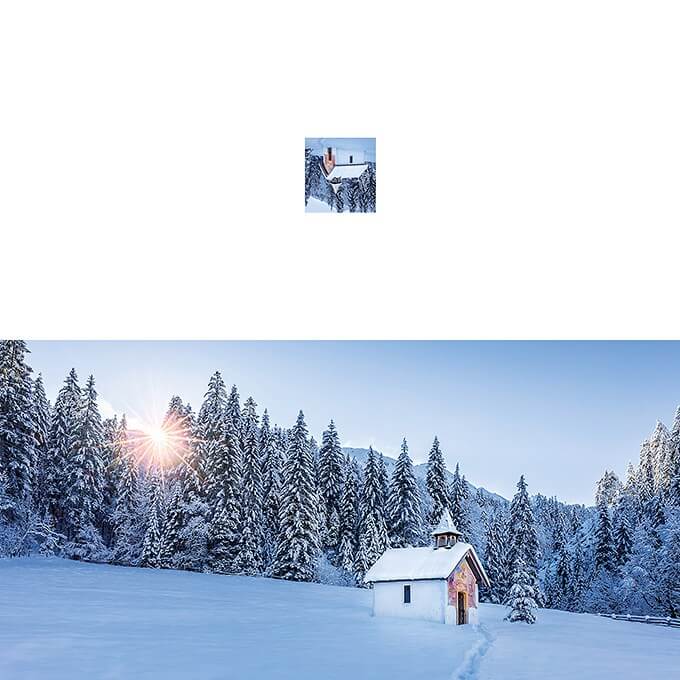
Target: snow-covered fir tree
[
  {"x": 373, "y": 530},
  {"x": 250, "y": 557},
  {"x": 353, "y": 191},
  {"x": 331, "y": 464},
  {"x": 608, "y": 488},
  {"x": 110, "y": 462},
  {"x": 220, "y": 454},
  {"x": 522, "y": 596},
  {"x": 623, "y": 530},
  {"x": 340, "y": 199},
  {"x": 523, "y": 543},
  {"x": 249, "y": 421},
  {"x": 405, "y": 523},
  {"x": 299, "y": 543},
  {"x": 496, "y": 558},
  {"x": 211, "y": 420},
  {"x": 349, "y": 517},
  {"x": 224, "y": 533},
  {"x": 17, "y": 426},
  {"x": 457, "y": 496},
  {"x": 155, "y": 507},
  {"x": 41, "y": 419},
  {"x": 233, "y": 409},
  {"x": 63, "y": 427},
  {"x": 605, "y": 553},
  {"x": 170, "y": 543},
  {"x": 367, "y": 189},
  {"x": 436, "y": 484},
  {"x": 128, "y": 522},
  {"x": 308, "y": 173},
  {"x": 86, "y": 480},
  {"x": 271, "y": 449}
]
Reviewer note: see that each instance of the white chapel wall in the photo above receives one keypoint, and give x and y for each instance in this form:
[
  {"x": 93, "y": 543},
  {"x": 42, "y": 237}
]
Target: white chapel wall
[{"x": 428, "y": 599}]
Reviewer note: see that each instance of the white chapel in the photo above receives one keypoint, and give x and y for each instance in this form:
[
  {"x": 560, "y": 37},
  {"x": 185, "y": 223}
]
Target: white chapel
[{"x": 437, "y": 583}]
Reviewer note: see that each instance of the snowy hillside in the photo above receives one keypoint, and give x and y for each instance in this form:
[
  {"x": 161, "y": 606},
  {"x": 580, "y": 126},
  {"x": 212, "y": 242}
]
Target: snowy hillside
[
  {"x": 64, "y": 619},
  {"x": 315, "y": 205}
]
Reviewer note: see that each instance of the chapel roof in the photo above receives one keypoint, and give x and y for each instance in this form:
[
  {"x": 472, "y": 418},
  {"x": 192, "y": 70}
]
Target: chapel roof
[{"x": 417, "y": 564}]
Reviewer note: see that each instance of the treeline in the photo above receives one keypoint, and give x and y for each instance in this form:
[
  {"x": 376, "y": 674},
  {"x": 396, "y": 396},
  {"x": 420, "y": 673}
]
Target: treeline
[
  {"x": 227, "y": 491},
  {"x": 354, "y": 195}
]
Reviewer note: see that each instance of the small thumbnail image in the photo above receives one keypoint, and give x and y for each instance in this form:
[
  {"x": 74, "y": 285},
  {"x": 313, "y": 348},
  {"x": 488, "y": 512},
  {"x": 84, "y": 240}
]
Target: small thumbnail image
[{"x": 339, "y": 174}]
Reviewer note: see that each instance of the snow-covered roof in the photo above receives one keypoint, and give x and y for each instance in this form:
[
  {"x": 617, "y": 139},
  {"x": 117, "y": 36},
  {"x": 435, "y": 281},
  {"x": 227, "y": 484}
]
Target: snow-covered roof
[
  {"x": 417, "y": 564},
  {"x": 446, "y": 525},
  {"x": 344, "y": 171}
]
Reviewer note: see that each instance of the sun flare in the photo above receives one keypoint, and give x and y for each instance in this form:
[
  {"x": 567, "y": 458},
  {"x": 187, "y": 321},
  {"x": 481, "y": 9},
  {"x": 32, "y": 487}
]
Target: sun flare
[
  {"x": 158, "y": 436},
  {"x": 163, "y": 445}
]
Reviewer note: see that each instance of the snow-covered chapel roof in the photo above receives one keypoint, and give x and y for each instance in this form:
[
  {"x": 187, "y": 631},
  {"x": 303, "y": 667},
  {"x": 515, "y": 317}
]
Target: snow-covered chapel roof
[
  {"x": 341, "y": 171},
  {"x": 418, "y": 564},
  {"x": 446, "y": 525}
]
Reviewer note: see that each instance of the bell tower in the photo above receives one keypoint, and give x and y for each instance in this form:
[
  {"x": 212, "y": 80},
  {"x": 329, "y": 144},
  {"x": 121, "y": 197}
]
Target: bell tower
[{"x": 446, "y": 534}]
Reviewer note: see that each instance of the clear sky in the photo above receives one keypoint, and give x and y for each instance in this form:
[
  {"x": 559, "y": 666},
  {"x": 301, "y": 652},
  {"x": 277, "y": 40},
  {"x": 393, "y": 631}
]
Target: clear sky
[
  {"x": 559, "y": 412},
  {"x": 365, "y": 144}
]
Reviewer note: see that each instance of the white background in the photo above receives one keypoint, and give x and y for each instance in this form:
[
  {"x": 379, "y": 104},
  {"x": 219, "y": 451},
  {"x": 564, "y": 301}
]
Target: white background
[{"x": 151, "y": 174}]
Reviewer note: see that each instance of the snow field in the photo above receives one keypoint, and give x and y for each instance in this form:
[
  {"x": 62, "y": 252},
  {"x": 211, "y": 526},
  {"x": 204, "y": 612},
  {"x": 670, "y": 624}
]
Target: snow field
[{"x": 62, "y": 619}]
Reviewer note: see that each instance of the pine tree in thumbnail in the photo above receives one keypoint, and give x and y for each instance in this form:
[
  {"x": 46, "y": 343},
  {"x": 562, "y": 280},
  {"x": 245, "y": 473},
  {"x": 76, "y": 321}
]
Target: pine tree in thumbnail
[
  {"x": 308, "y": 173},
  {"x": 403, "y": 504},
  {"x": 436, "y": 484},
  {"x": 299, "y": 543},
  {"x": 353, "y": 195},
  {"x": 331, "y": 463},
  {"x": 522, "y": 597},
  {"x": 367, "y": 189},
  {"x": 17, "y": 426},
  {"x": 340, "y": 199}
]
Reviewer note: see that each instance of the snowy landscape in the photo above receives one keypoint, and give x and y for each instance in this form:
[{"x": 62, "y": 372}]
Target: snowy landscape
[
  {"x": 218, "y": 544},
  {"x": 340, "y": 175},
  {"x": 66, "y": 619}
]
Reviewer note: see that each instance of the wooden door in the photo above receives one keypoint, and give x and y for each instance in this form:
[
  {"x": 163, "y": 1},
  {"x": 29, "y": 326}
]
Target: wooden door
[{"x": 461, "y": 608}]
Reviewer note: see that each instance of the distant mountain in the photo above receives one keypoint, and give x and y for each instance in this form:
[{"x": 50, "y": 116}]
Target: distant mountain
[{"x": 419, "y": 469}]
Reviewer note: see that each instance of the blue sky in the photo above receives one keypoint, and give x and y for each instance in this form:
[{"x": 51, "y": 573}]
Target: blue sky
[
  {"x": 365, "y": 144},
  {"x": 559, "y": 412}
]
